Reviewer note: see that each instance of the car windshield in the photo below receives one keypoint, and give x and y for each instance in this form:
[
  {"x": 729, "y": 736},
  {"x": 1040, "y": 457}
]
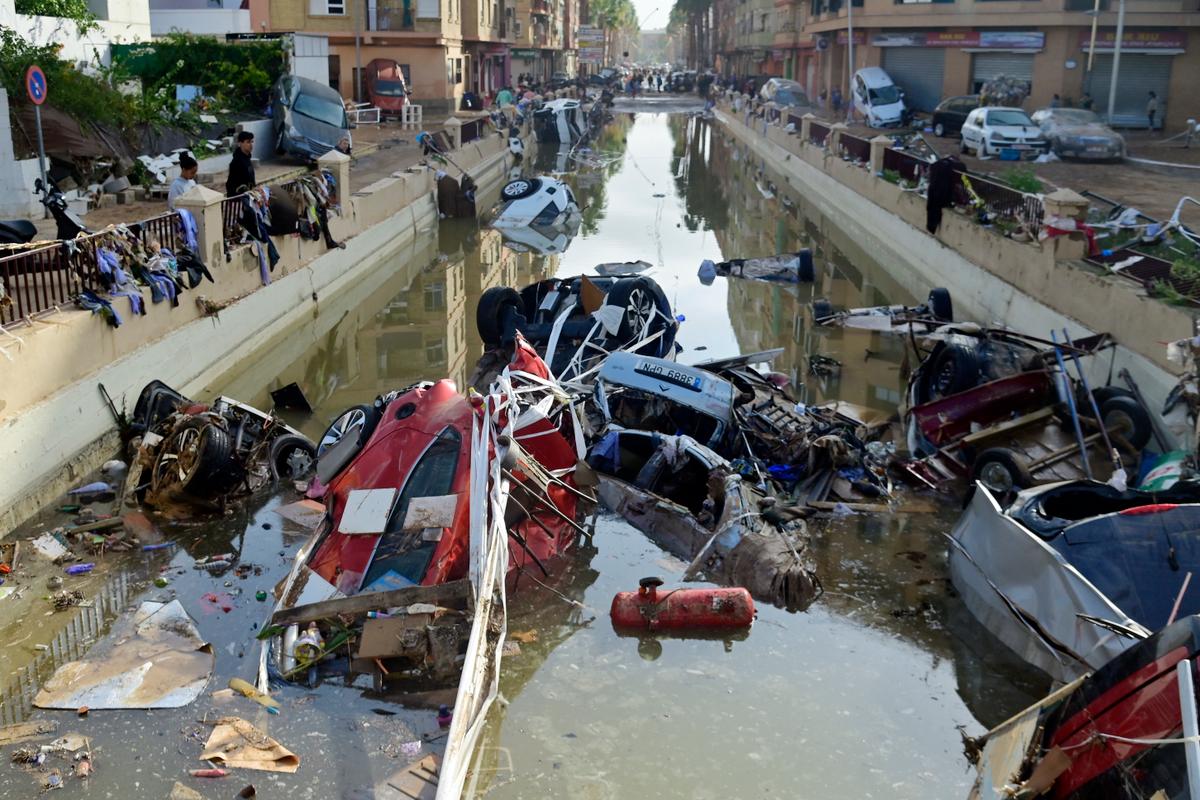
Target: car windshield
[
  {"x": 1073, "y": 116},
  {"x": 884, "y": 95},
  {"x": 321, "y": 110},
  {"x": 791, "y": 96},
  {"x": 1008, "y": 117},
  {"x": 389, "y": 88}
]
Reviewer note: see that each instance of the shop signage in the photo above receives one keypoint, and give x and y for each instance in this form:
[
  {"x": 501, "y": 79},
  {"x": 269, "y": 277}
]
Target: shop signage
[
  {"x": 986, "y": 40},
  {"x": 525, "y": 55},
  {"x": 860, "y": 37},
  {"x": 591, "y": 44},
  {"x": 1136, "y": 40},
  {"x": 778, "y": 55}
]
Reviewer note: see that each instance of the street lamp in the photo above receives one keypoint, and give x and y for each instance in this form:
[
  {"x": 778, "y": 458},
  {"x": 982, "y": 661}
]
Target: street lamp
[{"x": 1116, "y": 67}]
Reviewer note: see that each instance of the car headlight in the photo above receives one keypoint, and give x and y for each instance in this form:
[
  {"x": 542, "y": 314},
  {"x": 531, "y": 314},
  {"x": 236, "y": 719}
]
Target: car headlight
[{"x": 293, "y": 132}]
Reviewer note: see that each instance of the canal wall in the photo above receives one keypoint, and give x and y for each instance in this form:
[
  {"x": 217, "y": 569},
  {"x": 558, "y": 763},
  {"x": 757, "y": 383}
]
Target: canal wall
[
  {"x": 55, "y": 427},
  {"x": 1035, "y": 287}
]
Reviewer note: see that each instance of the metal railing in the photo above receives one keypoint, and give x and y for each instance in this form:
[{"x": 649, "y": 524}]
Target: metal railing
[
  {"x": 857, "y": 148},
  {"x": 907, "y": 165},
  {"x": 43, "y": 279},
  {"x": 818, "y": 133},
  {"x": 1001, "y": 201}
]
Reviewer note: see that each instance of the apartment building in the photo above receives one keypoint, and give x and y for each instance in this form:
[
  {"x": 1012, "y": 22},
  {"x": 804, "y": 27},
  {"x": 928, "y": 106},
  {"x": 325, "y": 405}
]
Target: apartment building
[
  {"x": 545, "y": 40},
  {"x": 945, "y": 48}
]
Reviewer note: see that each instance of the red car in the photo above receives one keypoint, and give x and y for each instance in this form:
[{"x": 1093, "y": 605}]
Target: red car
[{"x": 397, "y": 477}]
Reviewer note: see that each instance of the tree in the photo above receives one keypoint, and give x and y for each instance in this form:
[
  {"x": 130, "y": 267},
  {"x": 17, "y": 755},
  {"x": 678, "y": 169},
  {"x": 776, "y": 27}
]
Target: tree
[
  {"x": 693, "y": 19},
  {"x": 614, "y": 17}
]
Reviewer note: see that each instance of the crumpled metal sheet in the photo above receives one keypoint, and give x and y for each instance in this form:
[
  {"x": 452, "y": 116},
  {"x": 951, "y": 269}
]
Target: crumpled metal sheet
[{"x": 152, "y": 659}]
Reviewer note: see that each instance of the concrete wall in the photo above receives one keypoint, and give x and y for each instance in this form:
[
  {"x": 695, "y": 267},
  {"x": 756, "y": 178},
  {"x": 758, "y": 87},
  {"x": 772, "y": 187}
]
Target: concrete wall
[
  {"x": 54, "y": 427},
  {"x": 990, "y": 277},
  {"x": 202, "y": 21},
  {"x": 17, "y": 200}
]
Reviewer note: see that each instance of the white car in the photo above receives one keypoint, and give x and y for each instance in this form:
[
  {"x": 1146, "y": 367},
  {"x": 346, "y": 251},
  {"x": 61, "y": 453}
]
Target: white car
[
  {"x": 877, "y": 98},
  {"x": 992, "y": 129},
  {"x": 535, "y": 202}
]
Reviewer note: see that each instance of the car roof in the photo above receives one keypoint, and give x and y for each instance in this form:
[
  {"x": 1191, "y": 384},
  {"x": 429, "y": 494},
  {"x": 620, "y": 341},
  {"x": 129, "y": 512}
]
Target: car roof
[
  {"x": 707, "y": 393},
  {"x": 875, "y": 77}
]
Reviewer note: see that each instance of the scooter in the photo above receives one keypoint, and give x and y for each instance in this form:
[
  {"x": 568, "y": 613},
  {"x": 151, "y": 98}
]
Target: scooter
[{"x": 69, "y": 224}]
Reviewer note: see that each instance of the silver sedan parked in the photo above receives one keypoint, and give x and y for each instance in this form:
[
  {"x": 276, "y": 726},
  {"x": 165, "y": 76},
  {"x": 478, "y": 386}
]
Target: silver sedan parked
[{"x": 1079, "y": 133}]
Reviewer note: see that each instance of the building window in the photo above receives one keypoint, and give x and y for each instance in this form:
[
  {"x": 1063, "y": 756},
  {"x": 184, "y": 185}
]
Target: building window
[
  {"x": 435, "y": 297},
  {"x": 335, "y": 7},
  {"x": 435, "y": 352},
  {"x": 321, "y": 8}
]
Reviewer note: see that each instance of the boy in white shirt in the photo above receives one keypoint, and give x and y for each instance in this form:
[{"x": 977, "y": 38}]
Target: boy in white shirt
[{"x": 186, "y": 180}]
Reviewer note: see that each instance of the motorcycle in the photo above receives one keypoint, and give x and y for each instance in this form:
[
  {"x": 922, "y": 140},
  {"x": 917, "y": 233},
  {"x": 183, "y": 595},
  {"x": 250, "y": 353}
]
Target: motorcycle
[{"x": 68, "y": 223}]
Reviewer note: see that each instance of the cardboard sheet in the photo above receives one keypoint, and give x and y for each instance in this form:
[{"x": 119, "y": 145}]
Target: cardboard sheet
[{"x": 235, "y": 743}]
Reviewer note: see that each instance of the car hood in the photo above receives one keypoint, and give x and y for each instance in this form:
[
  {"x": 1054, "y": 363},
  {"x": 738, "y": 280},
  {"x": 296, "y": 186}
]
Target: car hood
[
  {"x": 1018, "y": 131},
  {"x": 318, "y": 137},
  {"x": 1097, "y": 131}
]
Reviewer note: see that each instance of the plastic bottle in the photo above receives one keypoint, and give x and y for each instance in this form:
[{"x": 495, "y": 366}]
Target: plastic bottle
[{"x": 79, "y": 569}]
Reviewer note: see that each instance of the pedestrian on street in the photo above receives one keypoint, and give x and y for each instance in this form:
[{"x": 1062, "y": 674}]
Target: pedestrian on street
[
  {"x": 1152, "y": 108},
  {"x": 186, "y": 180},
  {"x": 835, "y": 97},
  {"x": 241, "y": 167},
  {"x": 1056, "y": 102},
  {"x": 504, "y": 97}
]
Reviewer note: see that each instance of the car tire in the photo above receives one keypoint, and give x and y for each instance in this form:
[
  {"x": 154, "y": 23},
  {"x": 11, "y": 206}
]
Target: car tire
[
  {"x": 197, "y": 458},
  {"x": 954, "y": 369},
  {"x": 520, "y": 188},
  {"x": 939, "y": 130},
  {"x": 491, "y": 311},
  {"x": 1129, "y": 418},
  {"x": 962, "y": 145},
  {"x": 644, "y": 306},
  {"x": 1105, "y": 393},
  {"x": 293, "y": 458},
  {"x": 1001, "y": 471},
  {"x": 332, "y": 454},
  {"x": 940, "y": 305},
  {"x": 804, "y": 271}
]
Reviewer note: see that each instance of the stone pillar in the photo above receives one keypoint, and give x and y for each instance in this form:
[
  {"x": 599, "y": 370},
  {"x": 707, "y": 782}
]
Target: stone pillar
[
  {"x": 205, "y": 206},
  {"x": 835, "y": 137},
  {"x": 454, "y": 131},
  {"x": 879, "y": 146},
  {"x": 806, "y": 126},
  {"x": 1064, "y": 204},
  {"x": 338, "y": 163}
]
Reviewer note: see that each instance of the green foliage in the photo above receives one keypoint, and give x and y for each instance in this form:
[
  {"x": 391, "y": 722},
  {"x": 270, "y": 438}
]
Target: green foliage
[
  {"x": 1023, "y": 180},
  {"x": 1185, "y": 269},
  {"x": 76, "y": 10},
  {"x": 83, "y": 96},
  {"x": 235, "y": 76},
  {"x": 891, "y": 176}
]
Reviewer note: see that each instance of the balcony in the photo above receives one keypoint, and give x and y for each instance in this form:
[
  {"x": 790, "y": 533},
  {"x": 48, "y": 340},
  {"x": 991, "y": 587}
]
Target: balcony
[{"x": 394, "y": 15}]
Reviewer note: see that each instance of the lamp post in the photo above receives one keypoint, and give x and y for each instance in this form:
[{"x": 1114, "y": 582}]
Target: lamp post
[
  {"x": 1116, "y": 65},
  {"x": 849, "y": 59}
]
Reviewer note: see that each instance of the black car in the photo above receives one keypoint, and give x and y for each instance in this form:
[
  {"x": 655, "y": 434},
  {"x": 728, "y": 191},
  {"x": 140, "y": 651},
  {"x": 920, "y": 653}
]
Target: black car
[{"x": 952, "y": 112}]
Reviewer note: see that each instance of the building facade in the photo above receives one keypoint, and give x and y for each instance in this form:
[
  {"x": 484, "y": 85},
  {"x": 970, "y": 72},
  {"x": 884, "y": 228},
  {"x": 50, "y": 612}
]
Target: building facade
[{"x": 944, "y": 48}]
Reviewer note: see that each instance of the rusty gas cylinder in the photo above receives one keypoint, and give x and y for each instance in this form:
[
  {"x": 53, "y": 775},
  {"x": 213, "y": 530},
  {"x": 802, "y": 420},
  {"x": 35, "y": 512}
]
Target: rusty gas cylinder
[{"x": 713, "y": 608}]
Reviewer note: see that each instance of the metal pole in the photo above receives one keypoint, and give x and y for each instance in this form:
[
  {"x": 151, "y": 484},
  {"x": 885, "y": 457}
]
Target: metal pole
[
  {"x": 358, "y": 51},
  {"x": 1092, "y": 41},
  {"x": 1187, "y": 710},
  {"x": 849, "y": 59},
  {"x": 37, "y": 116},
  {"x": 1116, "y": 65}
]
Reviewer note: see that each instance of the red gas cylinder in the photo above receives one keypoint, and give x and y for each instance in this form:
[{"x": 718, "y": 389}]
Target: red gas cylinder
[{"x": 713, "y": 608}]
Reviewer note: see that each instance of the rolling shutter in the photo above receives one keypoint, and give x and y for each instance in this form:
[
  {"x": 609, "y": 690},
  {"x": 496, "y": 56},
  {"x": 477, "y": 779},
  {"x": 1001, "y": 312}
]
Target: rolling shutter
[
  {"x": 918, "y": 71},
  {"x": 1141, "y": 73},
  {"x": 985, "y": 66}
]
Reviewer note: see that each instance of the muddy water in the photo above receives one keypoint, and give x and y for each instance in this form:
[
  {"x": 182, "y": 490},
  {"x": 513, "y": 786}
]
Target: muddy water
[{"x": 859, "y": 696}]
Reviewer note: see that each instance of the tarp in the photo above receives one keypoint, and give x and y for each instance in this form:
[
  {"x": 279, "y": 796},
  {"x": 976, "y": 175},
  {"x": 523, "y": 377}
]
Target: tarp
[
  {"x": 152, "y": 659},
  {"x": 236, "y": 743}
]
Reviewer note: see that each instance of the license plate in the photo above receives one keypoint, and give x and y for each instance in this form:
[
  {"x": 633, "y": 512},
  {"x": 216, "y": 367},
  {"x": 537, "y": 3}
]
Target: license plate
[
  {"x": 1096, "y": 149},
  {"x": 668, "y": 374}
]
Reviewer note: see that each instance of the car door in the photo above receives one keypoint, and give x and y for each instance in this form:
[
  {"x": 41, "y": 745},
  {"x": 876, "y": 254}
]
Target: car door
[
  {"x": 957, "y": 112},
  {"x": 972, "y": 129}
]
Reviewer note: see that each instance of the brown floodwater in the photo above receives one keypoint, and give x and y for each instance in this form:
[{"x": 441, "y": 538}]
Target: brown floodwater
[{"x": 862, "y": 695}]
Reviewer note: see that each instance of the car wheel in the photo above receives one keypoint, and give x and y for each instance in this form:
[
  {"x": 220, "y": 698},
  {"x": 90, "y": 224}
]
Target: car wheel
[
  {"x": 356, "y": 421},
  {"x": 520, "y": 188},
  {"x": 940, "y": 305},
  {"x": 645, "y": 312},
  {"x": 962, "y": 145},
  {"x": 1125, "y": 416},
  {"x": 292, "y": 458},
  {"x": 491, "y": 312},
  {"x": 953, "y": 369},
  {"x": 197, "y": 458},
  {"x": 939, "y": 130},
  {"x": 1001, "y": 471}
]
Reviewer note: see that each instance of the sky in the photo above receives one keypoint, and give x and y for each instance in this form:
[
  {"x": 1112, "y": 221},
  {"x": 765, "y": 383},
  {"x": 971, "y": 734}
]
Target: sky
[{"x": 652, "y": 14}]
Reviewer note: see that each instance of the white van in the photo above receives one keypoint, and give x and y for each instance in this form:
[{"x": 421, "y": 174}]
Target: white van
[{"x": 877, "y": 98}]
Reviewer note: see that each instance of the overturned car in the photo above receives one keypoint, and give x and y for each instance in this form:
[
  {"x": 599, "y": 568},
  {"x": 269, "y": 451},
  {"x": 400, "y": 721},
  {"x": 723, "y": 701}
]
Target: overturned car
[
  {"x": 559, "y": 120},
  {"x": 543, "y": 202}
]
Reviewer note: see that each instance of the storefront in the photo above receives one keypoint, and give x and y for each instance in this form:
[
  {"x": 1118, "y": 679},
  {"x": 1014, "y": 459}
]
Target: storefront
[
  {"x": 1146, "y": 64},
  {"x": 917, "y": 69},
  {"x": 523, "y": 62}
]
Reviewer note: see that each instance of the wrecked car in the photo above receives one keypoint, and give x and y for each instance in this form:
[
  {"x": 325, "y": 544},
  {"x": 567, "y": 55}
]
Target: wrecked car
[
  {"x": 1079, "y": 133},
  {"x": 559, "y": 120},
  {"x": 1071, "y": 575},
  {"x": 785, "y": 268},
  {"x": 576, "y": 322},
  {"x": 1118, "y": 732},
  {"x": 404, "y": 482},
  {"x": 687, "y": 500},
  {"x": 195, "y": 453}
]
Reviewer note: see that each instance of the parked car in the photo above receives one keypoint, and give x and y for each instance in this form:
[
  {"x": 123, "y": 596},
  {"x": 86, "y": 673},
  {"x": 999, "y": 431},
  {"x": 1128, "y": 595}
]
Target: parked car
[
  {"x": 785, "y": 93},
  {"x": 877, "y": 98},
  {"x": 1079, "y": 133},
  {"x": 991, "y": 130},
  {"x": 310, "y": 118},
  {"x": 951, "y": 113},
  {"x": 386, "y": 87}
]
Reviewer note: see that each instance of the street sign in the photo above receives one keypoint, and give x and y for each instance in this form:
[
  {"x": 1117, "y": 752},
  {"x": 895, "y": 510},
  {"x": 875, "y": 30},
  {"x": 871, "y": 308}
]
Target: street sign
[{"x": 35, "y": 84}]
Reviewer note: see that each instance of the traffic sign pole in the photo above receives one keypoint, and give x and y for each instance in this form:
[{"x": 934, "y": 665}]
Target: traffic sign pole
[{"x": 36, "y": 86}]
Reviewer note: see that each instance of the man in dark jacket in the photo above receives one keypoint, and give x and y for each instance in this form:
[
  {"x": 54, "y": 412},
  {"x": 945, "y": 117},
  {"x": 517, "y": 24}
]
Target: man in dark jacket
[{"x": 241, "y": 168}]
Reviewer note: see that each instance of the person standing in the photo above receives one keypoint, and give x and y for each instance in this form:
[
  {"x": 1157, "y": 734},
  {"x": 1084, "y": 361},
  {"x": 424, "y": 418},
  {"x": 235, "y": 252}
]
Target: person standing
[
  {"x": 1152, "y": 108},
  {"x": 1056, "y": 102},
  {"x": 241, "y": 166},
  {"x": 186, "y": 180},
  {"x": 504, "y": 97}
]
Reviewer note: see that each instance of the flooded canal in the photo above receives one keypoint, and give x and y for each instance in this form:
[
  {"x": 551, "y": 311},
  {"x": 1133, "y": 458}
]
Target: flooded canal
[{"x": 862, "y": 695}]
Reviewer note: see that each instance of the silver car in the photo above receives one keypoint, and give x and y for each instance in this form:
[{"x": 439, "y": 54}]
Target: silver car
[
  {"x": 1079, "y": 133},
  {"x": 310, "y": 118}
]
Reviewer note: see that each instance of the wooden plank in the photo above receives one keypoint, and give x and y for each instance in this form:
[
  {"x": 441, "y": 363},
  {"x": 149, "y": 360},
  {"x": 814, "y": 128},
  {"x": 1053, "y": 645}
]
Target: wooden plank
[
  {"x": 1006, "y": 427},
  {"x": 443, "y": 594},
  {"x": 417, "y": 781},
  {"x": 24, "y": 731}
]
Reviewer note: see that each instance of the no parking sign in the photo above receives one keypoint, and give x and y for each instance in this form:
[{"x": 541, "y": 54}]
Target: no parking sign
[{"x": 35, "y": 84}]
